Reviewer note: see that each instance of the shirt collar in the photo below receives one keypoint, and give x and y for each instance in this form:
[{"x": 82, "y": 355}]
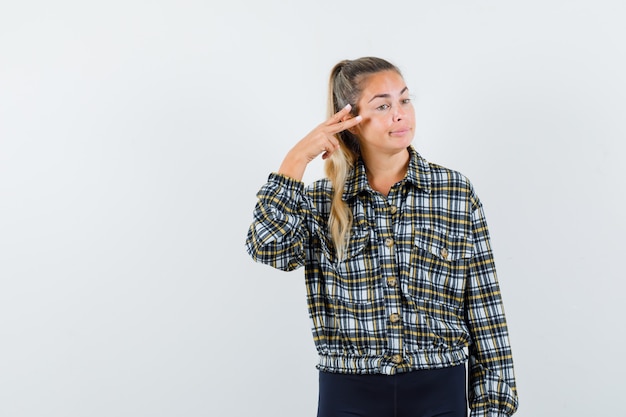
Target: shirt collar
[{"x": 418, "y": 174}]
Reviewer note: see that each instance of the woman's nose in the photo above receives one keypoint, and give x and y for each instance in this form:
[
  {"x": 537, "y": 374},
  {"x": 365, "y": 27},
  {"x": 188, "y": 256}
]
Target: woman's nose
[{"x": 398, "y": 114}]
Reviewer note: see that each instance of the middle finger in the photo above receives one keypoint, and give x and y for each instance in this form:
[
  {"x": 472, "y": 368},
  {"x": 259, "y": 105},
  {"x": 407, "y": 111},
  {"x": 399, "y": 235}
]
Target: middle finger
[{"x": 346, "y": 124}]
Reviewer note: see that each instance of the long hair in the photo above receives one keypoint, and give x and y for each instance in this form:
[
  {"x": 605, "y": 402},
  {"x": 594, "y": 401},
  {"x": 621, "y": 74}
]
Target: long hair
[{"x": 345, "y": 86}]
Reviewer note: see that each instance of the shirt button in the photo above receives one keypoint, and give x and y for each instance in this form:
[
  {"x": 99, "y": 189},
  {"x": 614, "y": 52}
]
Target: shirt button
[
  {"x": 444, "y": 253},
  {"x": 397, "y": 359},
  {"x": 393, "y": 209},
  {"x": 389, "y": 242},
  {"x": 394, "y": 318},
  {"x": 392, "y": 282}
]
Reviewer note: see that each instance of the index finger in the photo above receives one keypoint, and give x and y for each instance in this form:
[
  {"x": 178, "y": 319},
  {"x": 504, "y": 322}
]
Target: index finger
[
  {"x": 337, "y": 116},
  {"x": 346, "y": 124}
]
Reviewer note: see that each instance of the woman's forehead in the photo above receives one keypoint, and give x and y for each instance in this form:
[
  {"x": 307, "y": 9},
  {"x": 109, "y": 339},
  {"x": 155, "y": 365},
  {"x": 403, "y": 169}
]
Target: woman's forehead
[{"x": 383, "y": 84}]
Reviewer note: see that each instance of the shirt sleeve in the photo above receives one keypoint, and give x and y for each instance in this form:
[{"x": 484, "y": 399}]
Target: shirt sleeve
[
  {"x": 492, "y": 391},
  {"x": 277, "y": 232}
]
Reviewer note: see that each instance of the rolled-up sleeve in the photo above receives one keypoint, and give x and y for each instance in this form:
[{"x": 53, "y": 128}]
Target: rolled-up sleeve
[{"x": 492, "y": 390}]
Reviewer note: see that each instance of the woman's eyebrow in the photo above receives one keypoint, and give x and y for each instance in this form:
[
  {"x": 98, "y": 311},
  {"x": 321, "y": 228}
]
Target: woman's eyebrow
[{"x": 387, "y": 95}]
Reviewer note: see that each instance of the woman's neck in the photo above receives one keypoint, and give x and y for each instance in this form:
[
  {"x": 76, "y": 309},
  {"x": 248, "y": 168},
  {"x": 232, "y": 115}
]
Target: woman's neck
[{"x": 385, "y": 170}]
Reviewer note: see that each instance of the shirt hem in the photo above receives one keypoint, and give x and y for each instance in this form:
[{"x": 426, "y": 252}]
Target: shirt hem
[{"x": 385, "y": 364}]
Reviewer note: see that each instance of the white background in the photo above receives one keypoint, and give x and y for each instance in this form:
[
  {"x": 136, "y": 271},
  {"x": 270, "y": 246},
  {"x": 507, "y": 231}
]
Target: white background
[{"x": 133, "y": 138}]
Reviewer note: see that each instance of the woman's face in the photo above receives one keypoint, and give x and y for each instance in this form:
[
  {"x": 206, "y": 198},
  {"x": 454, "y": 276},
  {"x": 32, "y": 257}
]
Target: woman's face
[{"x": 388, "y": 123}]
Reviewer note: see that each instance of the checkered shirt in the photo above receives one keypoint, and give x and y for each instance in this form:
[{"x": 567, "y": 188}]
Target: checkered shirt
[{"x": 417, "y": 288}]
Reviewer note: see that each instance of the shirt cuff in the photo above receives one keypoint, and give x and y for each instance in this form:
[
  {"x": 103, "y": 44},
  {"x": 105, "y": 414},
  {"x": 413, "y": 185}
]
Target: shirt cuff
[
  {"x": 282, "y": 179},
  {"x": 488, "y": 413}
]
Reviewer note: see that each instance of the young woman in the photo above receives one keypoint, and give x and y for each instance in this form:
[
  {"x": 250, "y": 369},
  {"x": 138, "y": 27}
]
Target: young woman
[{"x": 400, "y": 277}]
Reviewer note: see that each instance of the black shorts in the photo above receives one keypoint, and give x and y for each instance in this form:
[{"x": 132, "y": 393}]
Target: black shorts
[{"x": 426, "y": 393}]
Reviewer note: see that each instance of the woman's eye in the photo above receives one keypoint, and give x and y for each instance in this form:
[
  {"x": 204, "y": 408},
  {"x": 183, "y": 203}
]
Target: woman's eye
[
  {"x": 383, "y": 107},
  {"x": 406, "y": 100}
]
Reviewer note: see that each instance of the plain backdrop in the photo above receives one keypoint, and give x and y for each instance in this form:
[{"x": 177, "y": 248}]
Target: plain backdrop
[{"x": 135, "y": 134}]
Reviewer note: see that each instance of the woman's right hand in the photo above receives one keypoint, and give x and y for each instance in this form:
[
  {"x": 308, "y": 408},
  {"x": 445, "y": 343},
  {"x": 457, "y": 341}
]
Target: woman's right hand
[{"x": 320, "y": 140}]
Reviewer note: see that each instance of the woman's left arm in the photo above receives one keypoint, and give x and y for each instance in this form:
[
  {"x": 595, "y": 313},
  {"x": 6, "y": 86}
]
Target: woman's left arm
[{"x": 492, "y": 390}]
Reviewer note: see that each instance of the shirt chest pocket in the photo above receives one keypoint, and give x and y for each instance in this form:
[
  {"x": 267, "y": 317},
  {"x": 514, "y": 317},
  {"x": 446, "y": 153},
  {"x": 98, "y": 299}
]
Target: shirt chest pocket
[
  {"x": 438, "y": 266},
  {"x": 355, "y": 279}
]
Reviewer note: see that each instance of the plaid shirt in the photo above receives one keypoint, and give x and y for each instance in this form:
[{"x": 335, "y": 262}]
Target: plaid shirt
[{"x": 418, "y": 285}]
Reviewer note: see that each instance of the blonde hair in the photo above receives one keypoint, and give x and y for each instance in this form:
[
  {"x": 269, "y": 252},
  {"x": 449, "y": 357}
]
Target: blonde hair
[{"x": 345, "y": 87}]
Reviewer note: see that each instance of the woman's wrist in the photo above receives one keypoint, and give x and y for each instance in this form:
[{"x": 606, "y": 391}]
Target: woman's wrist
[{"x": 293, "y": 166}]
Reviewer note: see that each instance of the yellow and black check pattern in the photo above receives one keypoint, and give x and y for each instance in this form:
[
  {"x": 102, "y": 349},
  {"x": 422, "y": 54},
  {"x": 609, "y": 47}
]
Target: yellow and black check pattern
[{"x": 417, "y": 289}]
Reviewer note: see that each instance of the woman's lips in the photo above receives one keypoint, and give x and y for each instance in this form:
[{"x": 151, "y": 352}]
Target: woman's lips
[{"x": 400, "y": 132}]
